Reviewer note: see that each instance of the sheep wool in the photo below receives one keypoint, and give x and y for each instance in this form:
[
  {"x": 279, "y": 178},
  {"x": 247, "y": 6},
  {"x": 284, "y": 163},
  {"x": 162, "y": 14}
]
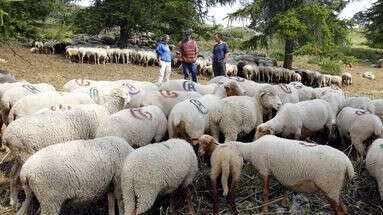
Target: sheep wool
[
  {"x": 138, "y": 126},
  {"x": 156, "y": 169},
  {"x": 374, "y": 163},
  {"x": 59, "y": 173}
]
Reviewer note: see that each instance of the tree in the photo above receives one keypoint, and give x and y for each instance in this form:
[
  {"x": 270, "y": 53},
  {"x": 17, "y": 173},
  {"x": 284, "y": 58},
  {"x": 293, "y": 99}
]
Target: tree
[
  {"x": 372, "y": 20},
  {"x": 295, "y": 23}
]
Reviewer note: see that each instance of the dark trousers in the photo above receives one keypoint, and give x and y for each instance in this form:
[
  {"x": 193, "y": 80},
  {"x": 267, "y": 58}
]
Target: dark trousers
[
  {"x": 219, "y": 69},
  {"x": 190, "y": 68}
]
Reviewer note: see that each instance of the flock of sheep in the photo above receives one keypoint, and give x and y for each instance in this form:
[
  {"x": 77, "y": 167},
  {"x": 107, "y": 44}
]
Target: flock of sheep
[{"x": 132, "y": 140}]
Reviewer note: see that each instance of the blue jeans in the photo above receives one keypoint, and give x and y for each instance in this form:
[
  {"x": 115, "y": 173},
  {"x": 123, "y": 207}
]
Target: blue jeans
[{"x": 190, "y": 68}]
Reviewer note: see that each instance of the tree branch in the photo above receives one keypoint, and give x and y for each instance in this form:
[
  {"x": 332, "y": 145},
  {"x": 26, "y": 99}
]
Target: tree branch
[{"x": 15, "y": 54}]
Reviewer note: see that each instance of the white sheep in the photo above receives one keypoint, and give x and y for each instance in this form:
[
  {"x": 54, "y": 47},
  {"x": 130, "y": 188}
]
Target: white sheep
[
  {"x": 304, "y": 92},
  {"x": 299, "y": 166},
  {"x": 361, "y": 102},
  {"x": 33, "y": 103},
  {"x": 250, "y": 88},
  {"x": 239, "y": 115},
  {"x": 186, "y": 85},
  {"x": 231, "y": 70},
  {"x": 81, "y": 83},
  {"x": 138, "y": 126},
  {"x": 346, "y": 78},
  {"x": 358, "y": 125},
  {"x": 190, "y": 119},
  {"x": 378, "y": 103},
  {"x": 374, "y": 163},
  {"x": 336, "y": 80},
  {"x": 157, "y": 169},
  {"x": 286, "y": 93},
  {"x": 28, "y": 134},
  {"x": 166, "y": 100},
  {"x": 59, "y": 173},
  {"x": 335, "y": 99},
  {"x": 71, "y": 53},
  {"x": 299, "y": 119}
]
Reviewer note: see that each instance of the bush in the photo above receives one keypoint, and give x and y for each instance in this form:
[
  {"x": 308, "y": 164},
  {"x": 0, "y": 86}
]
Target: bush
[
  {"x": 330, "y": 67},
  {"x": 279, "y": 55},
  {"x": 314, "y": 60}
]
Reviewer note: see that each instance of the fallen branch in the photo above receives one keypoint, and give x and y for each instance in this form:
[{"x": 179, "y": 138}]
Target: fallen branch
[{"x": 15, "y": 54}]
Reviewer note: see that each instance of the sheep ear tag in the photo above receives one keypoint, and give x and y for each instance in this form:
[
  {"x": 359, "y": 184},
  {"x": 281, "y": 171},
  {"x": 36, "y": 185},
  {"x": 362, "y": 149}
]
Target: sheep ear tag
[
  {"x": 201, "y": 108},
  {"x": 31, "y": 88},
  {"x": 132, "y": 89},
  {"x": 188, "y": 86}
]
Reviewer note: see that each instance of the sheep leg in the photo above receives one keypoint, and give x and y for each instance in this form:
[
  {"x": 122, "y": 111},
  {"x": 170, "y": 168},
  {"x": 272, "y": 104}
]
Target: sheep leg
[
  {"x": 15, "y": 184},
  {"x": 359, "y": 148},
  {"x": 337, "y": 207},
  {"x": 214, "y": 194},
  {"x": 297, "y": 136},
  {"x": 285, "y": 201},
  {"x": 28, "y": 198},
  {"x": 266, "y": 182},
  {"x": 214, "y": 130},
  {"x": 189, "y": 199},
  {"x": 111, "y": 203},
  {"x": 231, "y": 196},
  {"x": 171, "y": 203}
]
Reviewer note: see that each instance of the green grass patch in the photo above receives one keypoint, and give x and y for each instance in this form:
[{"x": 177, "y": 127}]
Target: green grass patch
[{"x": 330, "y": 67}]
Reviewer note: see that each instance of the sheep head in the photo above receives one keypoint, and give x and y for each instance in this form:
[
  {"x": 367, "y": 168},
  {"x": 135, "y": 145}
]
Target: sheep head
[
  {"x": 233, "y": 89},
  {"x": 269, "y": 98},
  {"x": 122, "y": 93},
  {"x": 206, "y": 142},
  {"x": 263, "y": 130}
]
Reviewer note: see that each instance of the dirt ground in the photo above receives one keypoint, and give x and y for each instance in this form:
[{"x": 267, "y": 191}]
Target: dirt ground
[{"x": 360, "y": 195}]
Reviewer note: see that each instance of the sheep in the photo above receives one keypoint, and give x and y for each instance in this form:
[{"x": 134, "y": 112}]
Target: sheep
[
  {"x": 361, "y": 102},
  {"x": 186, "y": 85},
  {"x": 6, "y": 76},
  {"x": 26, "y": 135},
  {"x": 304, "y": 92},
  {"x": 208, "y": 71},
  {"x": 71, "y": 53},
  {"x": 166, "y": 100},
  {"x": 321, "y": 91},
  {"x": 249, "y": 87},
  {"x": 374, "y": 163},
  {"x": 190, "y": 119},
  {"x": 337, "y": 80},
  {"x": 33, "y": 103},
  {"x": 296, "y": 77},
  {"x": 149, "y": 122},
  {"x": 286, "y": 93},
  {"x": 231, "y": 70},
  {"x": 250, "y": 71},
  {"x": 359, "y": 125},
  {"x": 239, "y": 115},
  {"x": 157, "y": 169},
  {"x": 225, "y": 159},
  {"x": 335, "y": 99},
  {"x": 59, "y": 173},
  {"x": 299, "y": 166},
  {"x": 11, "y": 96},
  {"x": 299, "y": 119},
  {"x": 346, "y": 78},
  {"x": 378, "y": 103},
  {"x": 81, "y": 83}
]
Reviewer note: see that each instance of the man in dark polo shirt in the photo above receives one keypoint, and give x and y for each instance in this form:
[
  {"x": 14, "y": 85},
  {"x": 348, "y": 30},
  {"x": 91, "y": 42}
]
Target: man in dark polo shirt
[{"x": 219, "y": 58}]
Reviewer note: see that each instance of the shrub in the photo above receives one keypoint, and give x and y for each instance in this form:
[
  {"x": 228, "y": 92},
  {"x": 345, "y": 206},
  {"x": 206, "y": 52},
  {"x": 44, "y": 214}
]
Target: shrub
[
  {"x": 279, "y": 55},
  {"x": 313, "y": 60},
  {"x": 330, "y": 67}
]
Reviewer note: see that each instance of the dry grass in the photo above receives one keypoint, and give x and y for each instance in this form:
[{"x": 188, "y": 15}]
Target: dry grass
[{"x": 360, "y": 195}]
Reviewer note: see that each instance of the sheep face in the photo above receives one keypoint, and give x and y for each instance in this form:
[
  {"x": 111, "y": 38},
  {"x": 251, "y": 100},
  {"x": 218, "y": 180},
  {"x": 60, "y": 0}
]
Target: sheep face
[
  {"x": 232, "y": 89},
  {"x": 123, "y": 93},
  {"x": 263, "y": 130},
  {"x": 204, "y": 144},
  {"x": 270, "y": 99}
]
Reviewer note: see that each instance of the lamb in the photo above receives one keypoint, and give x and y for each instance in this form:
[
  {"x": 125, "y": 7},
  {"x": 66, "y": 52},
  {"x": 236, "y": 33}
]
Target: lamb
[
  {"x": 11, "y": 96},
  {"x": 27, "y": 135},
  {"x": 346, "y": 78},
  {"x": 374, "y": 163},
  {"x": 286, "y": 93},
  {"x": 300, "y": 119},
  {"x": 31, "y": 104},
  {"x": 186, "y": 85},
  {"x": 304, "y": 92},
  {"x": 157, "y": 169},
  {"x": 166, "y": 100},
  {"x": 59, "y": 173},
  {"x": 149, "y": 122},
  {"x": 361, "y": 102},
  {"x": 239, "y": 115},
  {"x": 359, "y": 125},
  {"x": 190, "y": 119},
  {"x": 304, "y": 167},
  {"x": 225, "y": 159}
]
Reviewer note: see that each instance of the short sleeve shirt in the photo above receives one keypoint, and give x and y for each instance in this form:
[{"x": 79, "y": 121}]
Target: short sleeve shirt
[{"x": 219, "y": 52}]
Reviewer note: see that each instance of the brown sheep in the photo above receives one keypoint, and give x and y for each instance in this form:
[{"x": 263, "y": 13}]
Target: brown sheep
[{"x": 226, "y": 160}]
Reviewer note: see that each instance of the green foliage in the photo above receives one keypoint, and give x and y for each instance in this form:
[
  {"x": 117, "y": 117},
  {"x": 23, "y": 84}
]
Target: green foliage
[
  {"x": 277, "y": 54},
  {"x": 330, "y": 67},
  {"x": 314, "y": 60},
  {"x": 364, "y": 53},
  {"x": 372, "y": 21}
]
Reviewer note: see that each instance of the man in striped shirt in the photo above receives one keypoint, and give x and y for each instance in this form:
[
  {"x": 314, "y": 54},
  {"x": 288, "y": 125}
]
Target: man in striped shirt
[{"x": 188, "y": 55}]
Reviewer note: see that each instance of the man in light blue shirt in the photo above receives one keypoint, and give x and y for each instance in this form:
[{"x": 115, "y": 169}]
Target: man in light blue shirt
[{"x": 164, "y": 59}]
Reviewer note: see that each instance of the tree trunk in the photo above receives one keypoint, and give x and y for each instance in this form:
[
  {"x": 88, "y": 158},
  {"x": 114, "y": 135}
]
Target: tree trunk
[
  {"x": 124, "y": 37},
  {"x": 289, "y": 48}
]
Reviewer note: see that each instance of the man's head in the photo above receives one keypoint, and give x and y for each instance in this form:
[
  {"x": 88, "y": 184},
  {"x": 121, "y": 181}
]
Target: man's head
[
  {"x": 188, "y": 33},
  {"x": 217, "y": 37},
  {"x": 165, "y": 38}
]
